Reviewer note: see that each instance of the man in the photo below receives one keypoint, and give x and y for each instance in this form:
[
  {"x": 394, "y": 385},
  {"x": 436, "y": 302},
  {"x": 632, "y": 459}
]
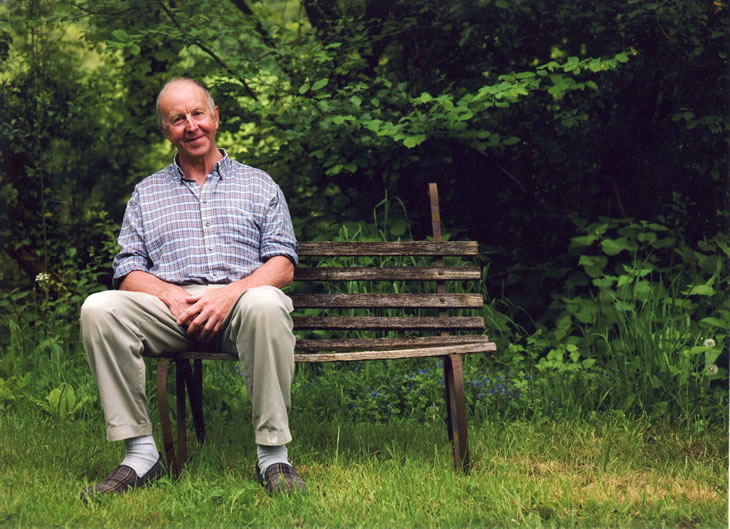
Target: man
[{"x": 206, "y": 243}]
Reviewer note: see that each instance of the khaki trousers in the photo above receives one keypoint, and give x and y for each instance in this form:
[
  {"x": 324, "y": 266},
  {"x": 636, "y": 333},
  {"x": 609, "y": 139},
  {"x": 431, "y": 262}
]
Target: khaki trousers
[{"x": 116, "y": 326}]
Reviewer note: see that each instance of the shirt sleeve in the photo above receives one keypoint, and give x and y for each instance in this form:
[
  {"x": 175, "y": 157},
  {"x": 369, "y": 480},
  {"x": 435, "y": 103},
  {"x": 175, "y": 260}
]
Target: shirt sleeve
[
  {"x": 133, "y": 253},
  {"x": 277, "y": 232}
]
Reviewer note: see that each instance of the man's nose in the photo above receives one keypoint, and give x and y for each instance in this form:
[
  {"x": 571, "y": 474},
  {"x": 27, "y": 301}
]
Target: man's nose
[{"x": 190, "y": 123}]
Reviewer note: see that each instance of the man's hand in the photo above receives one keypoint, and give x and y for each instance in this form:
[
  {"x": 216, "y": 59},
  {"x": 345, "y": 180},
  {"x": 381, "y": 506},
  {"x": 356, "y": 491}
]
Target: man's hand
[
  {"x": 175, "y": 297},
  {"x": 205, "y": 316},
  {"x": 178, "y": 300}
]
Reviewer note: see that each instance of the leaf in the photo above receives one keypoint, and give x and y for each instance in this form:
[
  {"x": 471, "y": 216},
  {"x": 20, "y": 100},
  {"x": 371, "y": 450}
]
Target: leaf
[
  {"x": 318, "y": 85},
  {"x": 715, "y": 322},
  {"x": 412, "y": 141},
  {"x": 304, "y": 88},
  {"x": 593, "y": 265},
  {"x": 582, "y": 240},
  {"x": 699, "y": 290},
  {"x": 120, "y": 35},
  {"x": 373, "y": 124},
  {"x": 616, "y": 246}
]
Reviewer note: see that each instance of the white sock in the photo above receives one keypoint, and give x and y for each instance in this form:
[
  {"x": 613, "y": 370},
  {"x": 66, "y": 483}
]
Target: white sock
[
  {"x": 268, "y": 455},
  {"x": 141, "y": 454}
]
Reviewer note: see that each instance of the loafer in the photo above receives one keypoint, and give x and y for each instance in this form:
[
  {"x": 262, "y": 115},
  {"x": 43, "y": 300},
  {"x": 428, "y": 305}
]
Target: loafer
[
  {"x": 122, "y": 479},
  {"x": 281, "y": 478}
]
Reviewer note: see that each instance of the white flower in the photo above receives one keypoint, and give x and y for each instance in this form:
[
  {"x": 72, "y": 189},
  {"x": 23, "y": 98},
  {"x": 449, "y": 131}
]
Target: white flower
[
  {"x": 43, "y": 278},
  {"x": 712, "y": 369},
  {"x": 709, "y": 342}
]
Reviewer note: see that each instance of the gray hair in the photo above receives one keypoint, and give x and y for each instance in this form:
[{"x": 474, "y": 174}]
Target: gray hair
[{"x": 197, "y": 83}]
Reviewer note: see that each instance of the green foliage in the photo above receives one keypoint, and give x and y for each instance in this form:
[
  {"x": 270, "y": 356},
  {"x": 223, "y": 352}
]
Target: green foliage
[
  {"x": 642, "y": 326},
  {"x": 528, "y": 115},
  {"x": 62, "y": 402}
]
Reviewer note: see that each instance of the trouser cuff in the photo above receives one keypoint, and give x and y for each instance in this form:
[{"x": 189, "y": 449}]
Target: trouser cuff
[
  {"x": 118, "y": 433},
  {"x": 273, "y": 438}
]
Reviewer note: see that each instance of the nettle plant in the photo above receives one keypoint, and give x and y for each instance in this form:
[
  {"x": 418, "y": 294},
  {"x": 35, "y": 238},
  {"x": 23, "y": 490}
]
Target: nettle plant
[{"x": 646, "y": 309}]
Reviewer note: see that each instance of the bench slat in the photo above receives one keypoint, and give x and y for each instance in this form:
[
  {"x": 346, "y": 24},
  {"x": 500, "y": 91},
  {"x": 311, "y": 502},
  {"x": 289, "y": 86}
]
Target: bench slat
[
  {"x": 374, "y": 273},
  {"x": 387, "y": 300},
  {"x": 406, "y": 248},
  {"x": 374, "y": 354},
  {"x": 397, "y": 353},
  {"x": 378, "y": 344},
  {"x": 373, "y": 322}
]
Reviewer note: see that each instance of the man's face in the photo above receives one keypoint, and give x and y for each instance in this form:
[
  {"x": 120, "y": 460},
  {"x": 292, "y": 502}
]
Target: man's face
[{"x": 189, "y": 122}]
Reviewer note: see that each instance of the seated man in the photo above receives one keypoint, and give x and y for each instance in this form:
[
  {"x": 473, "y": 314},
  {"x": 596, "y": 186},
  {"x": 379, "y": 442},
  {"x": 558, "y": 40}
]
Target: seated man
[{"x": 206, "y": 244}]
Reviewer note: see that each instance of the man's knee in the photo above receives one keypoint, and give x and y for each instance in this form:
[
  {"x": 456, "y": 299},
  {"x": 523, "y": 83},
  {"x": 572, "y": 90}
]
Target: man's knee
[
  {"x": 97, "y": 307},
  {"x": 266, "y": 300}
]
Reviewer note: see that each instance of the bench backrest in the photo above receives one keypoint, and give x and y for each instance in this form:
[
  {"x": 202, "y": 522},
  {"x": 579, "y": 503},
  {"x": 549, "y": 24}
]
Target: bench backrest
[{"x": 435, "y": 273}]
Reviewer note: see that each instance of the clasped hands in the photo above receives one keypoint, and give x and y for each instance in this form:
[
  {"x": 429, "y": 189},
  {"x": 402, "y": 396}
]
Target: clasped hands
[{"x": 203, "y": 316}]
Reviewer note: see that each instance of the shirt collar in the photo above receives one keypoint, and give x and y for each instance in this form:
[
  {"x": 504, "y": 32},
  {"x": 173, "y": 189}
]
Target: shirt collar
[{"x": 222, "y": 166}]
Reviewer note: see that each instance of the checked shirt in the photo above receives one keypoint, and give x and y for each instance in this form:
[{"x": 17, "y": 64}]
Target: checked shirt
[{"x": 218, "y": 233}]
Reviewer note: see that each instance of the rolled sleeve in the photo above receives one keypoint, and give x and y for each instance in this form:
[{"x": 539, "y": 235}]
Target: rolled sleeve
[
  {"x": 277, "y": 232},
  {"x": 133, "y": 251}
]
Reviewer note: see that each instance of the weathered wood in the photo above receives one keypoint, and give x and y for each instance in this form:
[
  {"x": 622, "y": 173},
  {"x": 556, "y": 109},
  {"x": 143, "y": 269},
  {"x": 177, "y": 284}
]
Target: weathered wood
[
  {"x": 406, "y": 248},
  {"x": 198, "y": 351},
  {"x": 446, "y": 301},
  {"x": 374, "y": 322},
  {"x": 376, "y": 344},
  {"x": 374, "y": 273},
  {"x": 396, "y": 353}
]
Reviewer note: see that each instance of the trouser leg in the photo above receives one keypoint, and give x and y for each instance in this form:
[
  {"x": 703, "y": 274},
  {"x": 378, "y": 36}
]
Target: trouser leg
[
  {"x": 116, "y": 326},
  {"x": 259, "y": 329}
]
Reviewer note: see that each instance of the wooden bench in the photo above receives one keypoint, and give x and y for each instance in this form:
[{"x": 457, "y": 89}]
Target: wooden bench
[{"x": 407, "y": 334}]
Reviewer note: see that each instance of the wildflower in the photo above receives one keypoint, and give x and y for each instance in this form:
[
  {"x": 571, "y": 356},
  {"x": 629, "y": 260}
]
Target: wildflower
[
  {"x": 712, "y": 369},
  {"x": 709, "y": 342},
  {"x": 43, "y": 278}
]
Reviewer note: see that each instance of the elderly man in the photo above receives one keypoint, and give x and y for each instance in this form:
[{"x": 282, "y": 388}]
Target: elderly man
[{"x": 206, "y": 244}]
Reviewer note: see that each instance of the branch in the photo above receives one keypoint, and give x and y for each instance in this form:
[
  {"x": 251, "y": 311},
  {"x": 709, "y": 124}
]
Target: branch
[
  {"x": 210, "y": 52},
  {"x": 243, "y": 7},
  {"x": 505, "y": 171}
]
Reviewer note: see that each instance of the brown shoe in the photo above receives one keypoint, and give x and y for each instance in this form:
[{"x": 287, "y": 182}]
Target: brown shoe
[
  {"x": 122, "y": 479},
  {"x": 281, "y": 478}
]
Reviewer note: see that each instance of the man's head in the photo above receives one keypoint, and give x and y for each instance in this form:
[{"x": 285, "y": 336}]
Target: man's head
[{"x": 188, "y": 117}]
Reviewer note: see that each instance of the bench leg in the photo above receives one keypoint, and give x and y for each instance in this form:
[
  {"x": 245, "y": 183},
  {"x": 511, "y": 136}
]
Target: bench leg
[
  {"x": 185, "y": 377},
  {"x": 182, "y": 372},
  {"x": 456, "y": 410},
  {"x": 195, "y": 392},
  {"x": 165, "y": 415}
]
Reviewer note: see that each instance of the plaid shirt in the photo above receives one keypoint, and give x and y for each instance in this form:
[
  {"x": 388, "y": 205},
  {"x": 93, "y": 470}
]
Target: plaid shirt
[{"x": 218, "y": 233}]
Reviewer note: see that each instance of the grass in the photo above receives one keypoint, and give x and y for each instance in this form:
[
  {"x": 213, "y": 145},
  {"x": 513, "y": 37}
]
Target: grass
[{"x": 607, "y": 471}]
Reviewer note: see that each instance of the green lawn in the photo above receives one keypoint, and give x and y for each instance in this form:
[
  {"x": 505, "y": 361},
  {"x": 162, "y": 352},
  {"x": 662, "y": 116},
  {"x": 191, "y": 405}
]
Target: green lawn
[{"x": 606, "y": 472}]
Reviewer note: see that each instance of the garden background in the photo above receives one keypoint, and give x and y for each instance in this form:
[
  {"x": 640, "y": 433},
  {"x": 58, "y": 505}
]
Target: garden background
[{"x": 583, "y": 144}]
